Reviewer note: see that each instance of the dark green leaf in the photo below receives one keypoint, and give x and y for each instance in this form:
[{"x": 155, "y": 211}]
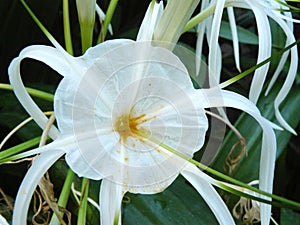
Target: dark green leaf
[
  {"x": 178, "y": 204},
  {"x": 289, "y": 217}
]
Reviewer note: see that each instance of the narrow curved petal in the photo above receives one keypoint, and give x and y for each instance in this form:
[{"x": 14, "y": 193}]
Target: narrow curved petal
[
  {"x": 111, "y": 196},
  {"x": 102, "y": 16},
  {"x": 48, "y": 55},
  {"x": 291, "y": 73},
  {"x": 278, "y": 70},
  {"x": 62, "y": 143},
  {"x": 268, "y": 149},
  {"x": 3, "y": 221},
  {"x": 235, "y": 39},
  {"x": 51, "y": 57},
  {"x": 276, "y": 7},
  {"x": 290, "y": 39},
  {"x": 31, "y": 180},
  {"x": 200, "y": 37},
  {"x": 202, "y": 183},
  {"x": 150, "y": 20},
  {"x": 214, "y": 56},
  {"x": 264, "y": 51},
  {"x": 262, "y": 9}
]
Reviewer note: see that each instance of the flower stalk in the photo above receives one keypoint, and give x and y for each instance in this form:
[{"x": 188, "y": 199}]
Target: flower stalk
[
  {"x": 199, "y": 17},
  {"x": 110, "y": 12},
  {"x": 32, "y": 91},
  {"x": 64, "y": 196},
  {"x": 86, "y": 15},
  {"x": 83, "y": 202},
  {"x": 67, "y": 27}
]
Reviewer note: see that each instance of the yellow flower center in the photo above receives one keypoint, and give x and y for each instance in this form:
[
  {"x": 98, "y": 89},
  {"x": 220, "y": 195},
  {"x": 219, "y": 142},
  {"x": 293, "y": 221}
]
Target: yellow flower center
[{"x": 127, "y": 126}]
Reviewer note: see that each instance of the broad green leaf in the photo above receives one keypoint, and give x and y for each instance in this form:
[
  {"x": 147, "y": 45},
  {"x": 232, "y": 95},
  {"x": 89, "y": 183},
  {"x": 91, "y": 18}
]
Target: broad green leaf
[
  {"x": 178, "y": 204},
  {"x": 289, "y": 217}
]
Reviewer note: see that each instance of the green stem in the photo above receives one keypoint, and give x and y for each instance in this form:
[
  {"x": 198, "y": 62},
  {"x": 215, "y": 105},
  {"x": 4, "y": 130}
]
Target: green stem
[
  {"x": 64, "y": 196},
  {"x": 4, "y": 155},
  {"x": 199, "y": 18},
  {"x": 252, "y": 69},
  {"x": 83, "y": 202},
  {"x": 109, "y": 14},
  {"x": 33, "y": 92},
  {"x": 86, "y": 36},
  {"x": 67, "y": 27}
]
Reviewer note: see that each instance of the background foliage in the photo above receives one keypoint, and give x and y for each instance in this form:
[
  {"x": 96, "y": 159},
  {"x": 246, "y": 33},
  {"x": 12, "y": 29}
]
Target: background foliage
[{"x": 180, "y": 203}]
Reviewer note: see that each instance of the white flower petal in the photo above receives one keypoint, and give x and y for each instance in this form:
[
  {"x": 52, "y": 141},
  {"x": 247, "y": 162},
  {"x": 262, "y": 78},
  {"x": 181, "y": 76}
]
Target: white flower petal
[
  {"x": 99, "y": 50},
  {"x": 291, "y": 73},
  {"x": 268, "y": 150},
  {"x": 288, "y": 29},
  {"x": 37, "y": 170},
  {"x": 67, "y": 90},
  {"x": 264, "y": 51},
  {"x": 51, "y": 57},
  {"x": 61, "y": 143},
  {"x": 276, "y": 8},
  {"x": 278, "y": 70},
  {"x": 214, "y": 56},
  {"x": 150, "y": 20},
  {"x": 202, "y": 183},
  {"x": 200, "y": 36},
  {"x": 262, "y": 9},
  {"x": 235, "y": 39},
  {"x": 110, "y": 198},
  {"x": 3, "y": 221}
]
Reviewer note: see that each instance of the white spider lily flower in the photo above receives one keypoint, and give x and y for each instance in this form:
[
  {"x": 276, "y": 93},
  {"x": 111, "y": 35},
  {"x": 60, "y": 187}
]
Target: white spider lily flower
[
  {"x": 112, "y": 116},
  {"x": 263, "y": 10},
  {"x": 117, "y": 107},
  {"x": 100, "y": 112}
]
